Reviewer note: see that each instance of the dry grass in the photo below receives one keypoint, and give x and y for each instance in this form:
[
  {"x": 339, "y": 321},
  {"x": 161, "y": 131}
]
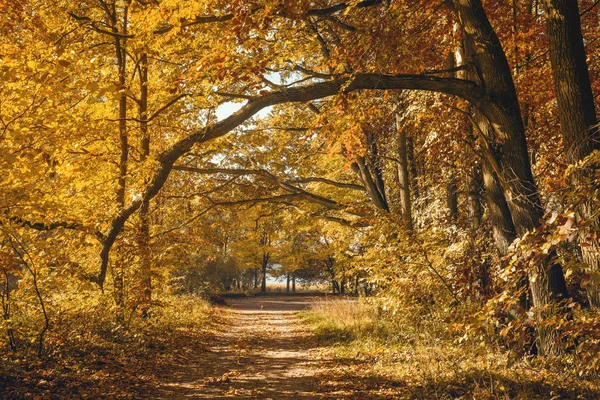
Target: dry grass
[
  {"x": 280, "y": 287},
  {"x": 423, "y": 354},
  {"x": 89, "y": 354}
]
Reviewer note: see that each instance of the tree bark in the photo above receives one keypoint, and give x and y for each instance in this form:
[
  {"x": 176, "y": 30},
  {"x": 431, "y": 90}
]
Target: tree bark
[
  {"x": 503, "y": 229},
  {"x": 377, "y": 172},
  {"x": 265, "y": 241},
  {"x": 577, "y": 113},
  {"x": 361, "y": 168},
  {"x": 412, "y": 168},
  {"x": 144, "y": 243},
  {"x": 403, "y": 176},
  {"x": 451, "y": 188},
  {"x": 511, "y": 157},
  {"x": 265, "y": 263},
  {"x": 474, "y": 183},
  {"x": 121, "y": 53}
]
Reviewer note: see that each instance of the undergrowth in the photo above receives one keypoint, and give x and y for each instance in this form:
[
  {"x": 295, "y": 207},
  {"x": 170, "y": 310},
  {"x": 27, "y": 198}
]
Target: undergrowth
[
  {"x": 92, "y": 352},
  {"x": 420, "y": 348}
]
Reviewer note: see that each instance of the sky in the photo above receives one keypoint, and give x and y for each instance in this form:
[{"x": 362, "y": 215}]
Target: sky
[{"x": 226, "y": 109}]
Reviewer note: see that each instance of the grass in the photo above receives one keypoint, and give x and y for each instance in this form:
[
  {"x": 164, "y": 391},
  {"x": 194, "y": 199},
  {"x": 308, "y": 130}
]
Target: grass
[
  {"x": 91, "y": 355},
  {"x": 420, "y": 351}
]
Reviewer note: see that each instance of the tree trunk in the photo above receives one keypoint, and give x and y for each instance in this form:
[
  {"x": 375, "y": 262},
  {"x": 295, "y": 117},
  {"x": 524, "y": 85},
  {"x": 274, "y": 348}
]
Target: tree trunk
[
  {"x": 293, "y": 283},
  {"x": 412, "y": 167},
  {"x": 512, "y": 161},
  {"x": 403, "y": 176},
  {"x": 451, "y": 189},
  {"x": 265, "y": 263},
  {"x": 474, "y": 178},
  {"x": 503, "y": 229},
  {"x": 121, "y": 54},
  {"x": 6, "y": 302},
  {"x": 146, "y": 271},
  {"x": 577, "y": 114},
  {"x": 287, "y": 285},
  {"x": 360, "y": 167},
  {"x": 474, "y": 183},
  {"x": 377, "y": 172}
]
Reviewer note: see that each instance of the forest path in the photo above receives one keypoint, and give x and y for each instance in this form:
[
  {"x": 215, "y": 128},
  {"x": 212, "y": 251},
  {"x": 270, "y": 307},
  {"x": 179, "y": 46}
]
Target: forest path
[{"x": 263, "y": 352}]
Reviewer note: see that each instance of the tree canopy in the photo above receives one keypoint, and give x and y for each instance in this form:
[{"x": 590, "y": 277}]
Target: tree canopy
[{"x": 415, "y": 151}]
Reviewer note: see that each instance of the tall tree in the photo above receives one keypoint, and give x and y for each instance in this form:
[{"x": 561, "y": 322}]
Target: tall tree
[{"x": 577, "y": 114}]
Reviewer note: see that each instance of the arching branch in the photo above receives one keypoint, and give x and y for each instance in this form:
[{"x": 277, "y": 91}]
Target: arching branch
[
  {"x": 462, "y": 88},
  {"x": 331, "y": 204}
]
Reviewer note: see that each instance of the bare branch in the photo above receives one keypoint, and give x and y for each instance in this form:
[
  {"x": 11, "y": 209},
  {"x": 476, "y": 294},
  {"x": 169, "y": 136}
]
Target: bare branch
[{"x": 166, "y": 106}]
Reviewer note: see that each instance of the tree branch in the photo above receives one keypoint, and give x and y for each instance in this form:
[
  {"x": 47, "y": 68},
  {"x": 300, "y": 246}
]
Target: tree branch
[
  {"x": 166, "y": 106},
  {"x": 93, "y": 25},
  {"x": 42, "y": 227},
  {"x": 466, "y": 89},
  {"x": 270, "y": 178},
  {"x": 322, "y": 12}
]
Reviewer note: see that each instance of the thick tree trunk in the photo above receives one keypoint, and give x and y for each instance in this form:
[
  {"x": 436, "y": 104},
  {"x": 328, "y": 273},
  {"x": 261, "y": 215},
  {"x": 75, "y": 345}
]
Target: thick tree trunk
[
  {"x": 503, "y": 112},
  {"x": 403, "y": 176},
  {"x": 287, "y": 285},
  {"x": 577, "y": 113},
  {"x": 503, "y": 229}
]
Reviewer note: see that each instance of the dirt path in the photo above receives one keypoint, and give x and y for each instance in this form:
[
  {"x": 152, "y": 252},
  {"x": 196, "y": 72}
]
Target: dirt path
[{"x": 263, "y": 353}]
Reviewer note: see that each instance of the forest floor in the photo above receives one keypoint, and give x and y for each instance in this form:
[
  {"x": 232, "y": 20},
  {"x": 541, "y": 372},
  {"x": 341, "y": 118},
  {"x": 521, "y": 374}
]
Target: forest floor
[
  {"x": 278, "y": 347},
  {"x": 264, "y": 352}
]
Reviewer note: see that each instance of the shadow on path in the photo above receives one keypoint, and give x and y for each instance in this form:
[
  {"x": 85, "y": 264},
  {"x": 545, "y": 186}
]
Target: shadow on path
[{"x": 263, "y": 353}]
